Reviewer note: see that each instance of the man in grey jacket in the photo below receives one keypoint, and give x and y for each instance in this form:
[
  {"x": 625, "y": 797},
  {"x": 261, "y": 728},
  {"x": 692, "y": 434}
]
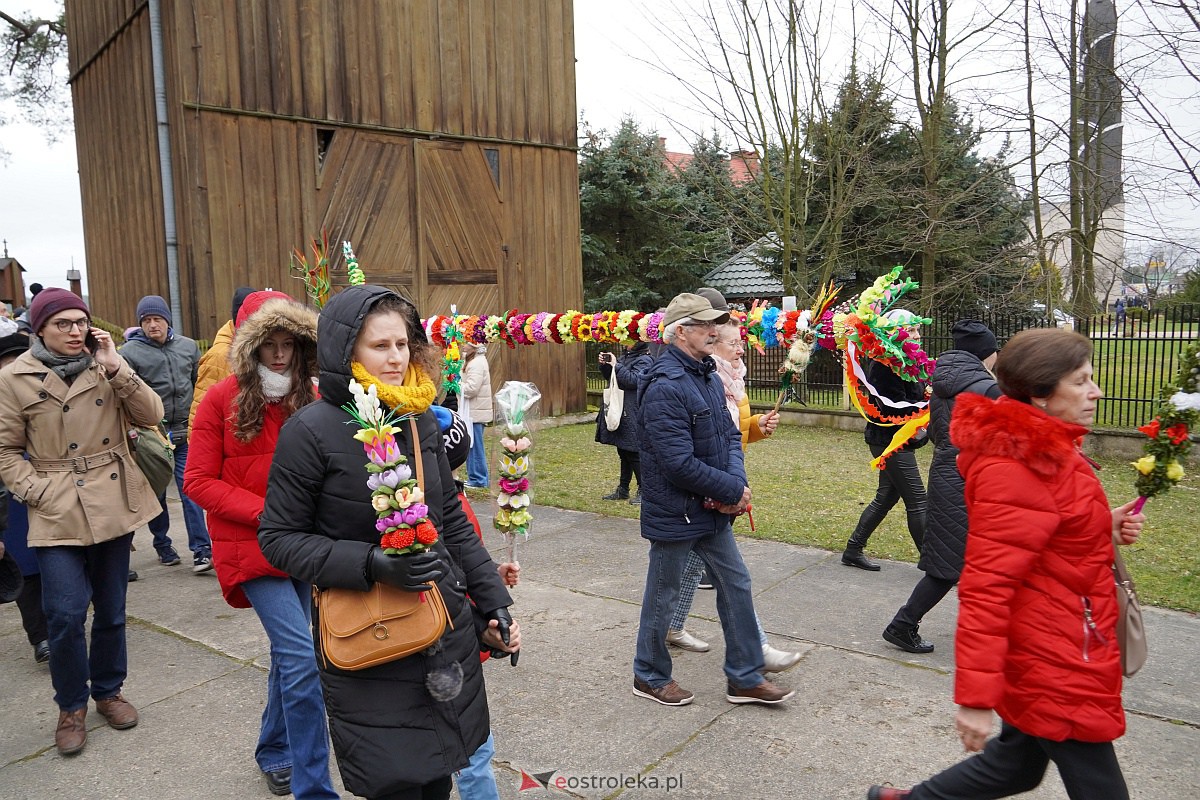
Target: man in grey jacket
[{"x": 168, "y": 362}]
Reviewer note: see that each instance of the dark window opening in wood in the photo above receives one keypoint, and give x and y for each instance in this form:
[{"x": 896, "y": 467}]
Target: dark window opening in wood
[
  {"x": 492, "y": 154},
  {"x": 324, "y": 142}
]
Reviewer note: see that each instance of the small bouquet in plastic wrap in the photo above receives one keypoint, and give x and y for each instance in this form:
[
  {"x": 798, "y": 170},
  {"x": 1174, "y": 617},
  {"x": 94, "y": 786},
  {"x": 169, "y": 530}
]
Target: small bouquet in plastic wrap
[{"x": 515, "y": 405}]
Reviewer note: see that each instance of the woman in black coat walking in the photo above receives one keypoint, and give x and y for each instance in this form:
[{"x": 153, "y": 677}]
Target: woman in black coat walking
[
  {"x": 630, "y": 366},
  {"x": 399, "y": 729},
  {"x": 966, "y": 368}
]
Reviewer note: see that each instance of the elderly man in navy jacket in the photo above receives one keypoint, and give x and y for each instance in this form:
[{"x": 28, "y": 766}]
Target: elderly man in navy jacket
[{"x": 694, "y": 484}]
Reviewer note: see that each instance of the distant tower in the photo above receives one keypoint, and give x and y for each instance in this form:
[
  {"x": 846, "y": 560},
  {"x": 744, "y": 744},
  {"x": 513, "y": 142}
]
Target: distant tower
[{"x": 1105, "y": 208}]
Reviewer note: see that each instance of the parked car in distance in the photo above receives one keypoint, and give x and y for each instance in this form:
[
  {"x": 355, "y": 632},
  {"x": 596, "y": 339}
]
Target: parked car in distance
[{"x": 1061, "y": 318}]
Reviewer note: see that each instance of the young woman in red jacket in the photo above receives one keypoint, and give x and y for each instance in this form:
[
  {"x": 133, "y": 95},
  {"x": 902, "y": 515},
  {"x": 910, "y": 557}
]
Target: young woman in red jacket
[
  {"x": 274, "y": 361},
  {"x": 1037, "y": 616}
]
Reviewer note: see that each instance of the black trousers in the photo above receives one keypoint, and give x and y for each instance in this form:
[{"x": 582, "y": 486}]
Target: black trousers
[
  {"x": 435, "y": 790},
  {"x": 928, "y": 592},
  {"x": 631, "y": 467},
  {"x": 29, "y": 601},
  {"x": 1015, "y": 762},
  {"x": 900, "y": 480}
]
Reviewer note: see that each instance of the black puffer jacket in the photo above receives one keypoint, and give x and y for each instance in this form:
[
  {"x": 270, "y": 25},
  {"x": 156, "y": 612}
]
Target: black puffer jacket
[
  {"x": 946, "y": 516},
  {"x": 631, "y": 366},
  {"x": 890, "y": 385},
  {"x": 318, "y": 525}
]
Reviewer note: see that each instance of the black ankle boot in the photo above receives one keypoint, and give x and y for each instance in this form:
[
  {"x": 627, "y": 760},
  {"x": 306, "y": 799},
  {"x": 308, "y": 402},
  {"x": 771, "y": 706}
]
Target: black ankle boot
[
  {"x": 619, "y": 493},
  {"x": 853, "y": 557},
  {"x": 907, "y": 639}
]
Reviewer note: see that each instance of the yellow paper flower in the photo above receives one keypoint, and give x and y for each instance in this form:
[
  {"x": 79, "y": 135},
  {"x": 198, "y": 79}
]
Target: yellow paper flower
[
  {"x": 381, "y": 502},
  {"x": 1145, "y": 465},
  {"x": 1174, "y": 471},
  {"x": 520, "y": 518},
  {"x": 513, "y": 467}
]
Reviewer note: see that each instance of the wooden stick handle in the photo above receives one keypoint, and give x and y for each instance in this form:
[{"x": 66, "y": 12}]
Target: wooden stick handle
[{"x": 779, "y": 401}]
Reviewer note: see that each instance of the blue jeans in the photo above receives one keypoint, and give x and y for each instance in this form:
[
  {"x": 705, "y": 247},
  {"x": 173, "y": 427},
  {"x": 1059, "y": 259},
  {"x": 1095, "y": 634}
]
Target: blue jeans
[
  {"x": 477, "y": 466},
  {"x": 72, "y": 579},
  {"x": 293, "y": 732},
  {"x": 687, "y": 594},
  {"x": 735, "y": 607},
  {"x": 193, "y": 516},
  {"x": 476, "y": 781}
]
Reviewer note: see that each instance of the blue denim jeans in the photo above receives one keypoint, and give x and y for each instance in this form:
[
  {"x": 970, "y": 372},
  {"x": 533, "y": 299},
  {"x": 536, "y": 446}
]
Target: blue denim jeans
[
  {"x": 476, "y": 781},
  {"x": 72, "y": 579},
  {"x": 735, "y": 607},
  {"x": 293, "y": 730},
  {"x": 477, "y": 466},
  {"x": 193, "y": 515},
  {"x": 692, "y": 572}
]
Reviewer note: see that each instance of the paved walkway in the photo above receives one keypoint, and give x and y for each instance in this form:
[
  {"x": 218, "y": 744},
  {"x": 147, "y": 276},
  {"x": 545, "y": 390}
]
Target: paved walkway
[{"x": 864, "y": 712}]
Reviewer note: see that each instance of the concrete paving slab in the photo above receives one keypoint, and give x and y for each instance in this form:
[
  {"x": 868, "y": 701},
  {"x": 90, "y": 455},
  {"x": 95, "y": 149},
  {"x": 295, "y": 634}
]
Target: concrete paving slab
[{"x": 864, "y": 711}]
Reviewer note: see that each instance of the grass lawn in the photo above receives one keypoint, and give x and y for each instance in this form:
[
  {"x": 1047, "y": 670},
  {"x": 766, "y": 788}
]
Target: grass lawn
[{"x": 811, "y": 484}]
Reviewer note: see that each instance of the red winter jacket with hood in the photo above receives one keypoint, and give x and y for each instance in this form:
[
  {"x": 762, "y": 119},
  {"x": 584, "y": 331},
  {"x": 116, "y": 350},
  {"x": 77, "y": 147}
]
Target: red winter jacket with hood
[
  {"x": 228, "y": 477},
  {"x": 1037, "y": 614}
]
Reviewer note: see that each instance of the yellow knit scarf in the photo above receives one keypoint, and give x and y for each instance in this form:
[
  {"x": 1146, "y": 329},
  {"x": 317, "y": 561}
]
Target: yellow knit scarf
[{"x": 414, "y": 396}]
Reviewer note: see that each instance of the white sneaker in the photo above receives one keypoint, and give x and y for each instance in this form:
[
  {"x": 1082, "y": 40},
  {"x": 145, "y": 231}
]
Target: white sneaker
[
  {"x": 685, "y": 641},
  {"x": 779, "y": 660}
]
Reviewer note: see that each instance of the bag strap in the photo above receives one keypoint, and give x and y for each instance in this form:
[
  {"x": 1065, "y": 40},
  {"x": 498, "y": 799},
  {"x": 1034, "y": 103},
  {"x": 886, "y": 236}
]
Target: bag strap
[{"x": 416, "y": 443}]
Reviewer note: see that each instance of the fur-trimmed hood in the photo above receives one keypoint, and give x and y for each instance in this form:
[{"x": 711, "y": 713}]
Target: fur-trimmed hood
[
  {"x": 274, "y": 314},
  {"x": 1006, "y": 428}
]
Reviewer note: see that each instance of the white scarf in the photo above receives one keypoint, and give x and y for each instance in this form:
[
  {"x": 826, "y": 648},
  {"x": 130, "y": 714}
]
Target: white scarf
[
  {"x": 274, "y": 384},
  {"x": 733, "y": 379}
]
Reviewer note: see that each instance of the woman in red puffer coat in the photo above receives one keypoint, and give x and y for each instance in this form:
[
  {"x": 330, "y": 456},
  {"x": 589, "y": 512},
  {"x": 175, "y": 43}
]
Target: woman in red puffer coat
[
  {"x": 1036, "y": 639},
  {"x": 274, "y": 361}
]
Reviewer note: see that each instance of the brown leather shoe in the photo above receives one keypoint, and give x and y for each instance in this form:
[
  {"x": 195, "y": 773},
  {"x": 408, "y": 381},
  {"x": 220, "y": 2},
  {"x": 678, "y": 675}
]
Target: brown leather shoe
[
  {"x": 119, "y": 713},
  {"x": 71, "y": 735},
  {"x": 766, "y": 693}
]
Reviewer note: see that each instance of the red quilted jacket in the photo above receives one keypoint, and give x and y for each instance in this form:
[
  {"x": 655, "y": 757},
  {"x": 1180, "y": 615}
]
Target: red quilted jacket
[
  {"x": 228, "y": 479},
  {"x": 1037, "y": 615}
]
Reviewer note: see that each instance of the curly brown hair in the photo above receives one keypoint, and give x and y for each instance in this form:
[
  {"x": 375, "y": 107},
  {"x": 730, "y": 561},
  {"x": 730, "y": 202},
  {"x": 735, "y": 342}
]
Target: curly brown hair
[{"x": 250, "y": 401}]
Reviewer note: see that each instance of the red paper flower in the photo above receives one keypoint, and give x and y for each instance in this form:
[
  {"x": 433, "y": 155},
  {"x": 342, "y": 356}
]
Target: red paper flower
[
  {"x": 1178, "y": 433},
  {"x": 425, "y": 532},
  {"x": 400, "y": 538},
  {"x": 1151, "y": 428}
]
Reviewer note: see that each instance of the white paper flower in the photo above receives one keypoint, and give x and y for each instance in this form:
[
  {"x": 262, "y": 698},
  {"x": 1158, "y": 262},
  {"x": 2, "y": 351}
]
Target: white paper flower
[{"x": 1185, "y": 401}]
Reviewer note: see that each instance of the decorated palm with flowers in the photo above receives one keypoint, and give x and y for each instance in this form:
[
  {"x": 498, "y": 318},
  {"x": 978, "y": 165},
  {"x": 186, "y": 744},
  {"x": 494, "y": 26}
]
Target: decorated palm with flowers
[
  {"x": 402, "y": 517},
  {"x": 514, "y": 402},
  {"x": 1169, "y": 432}
]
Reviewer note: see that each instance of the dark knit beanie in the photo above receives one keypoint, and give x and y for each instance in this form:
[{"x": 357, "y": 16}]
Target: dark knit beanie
[
  {"x": 50, "y": 302},
  {"x": 239, "y": 296},
  {"x": 153, "y": 305},
  {"x": 13, "y": 344},
  {"x": 974, "y": 337}
]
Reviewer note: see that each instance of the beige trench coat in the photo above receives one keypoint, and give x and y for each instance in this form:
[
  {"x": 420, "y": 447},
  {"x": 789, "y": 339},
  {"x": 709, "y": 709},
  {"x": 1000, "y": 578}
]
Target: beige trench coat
[{"x": 100, "y": 494}]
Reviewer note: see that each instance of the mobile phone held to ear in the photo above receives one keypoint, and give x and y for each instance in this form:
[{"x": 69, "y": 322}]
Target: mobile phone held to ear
[{"x": 91, "y": 343}]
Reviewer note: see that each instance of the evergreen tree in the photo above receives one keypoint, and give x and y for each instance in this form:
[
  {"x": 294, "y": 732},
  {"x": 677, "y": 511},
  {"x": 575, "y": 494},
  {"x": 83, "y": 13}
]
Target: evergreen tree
[{"x": 642, "y": 242}]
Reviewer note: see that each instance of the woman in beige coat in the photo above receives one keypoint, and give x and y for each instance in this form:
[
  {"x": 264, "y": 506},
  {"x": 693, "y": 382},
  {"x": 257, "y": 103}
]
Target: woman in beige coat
[{"x": 64, "y": 453}]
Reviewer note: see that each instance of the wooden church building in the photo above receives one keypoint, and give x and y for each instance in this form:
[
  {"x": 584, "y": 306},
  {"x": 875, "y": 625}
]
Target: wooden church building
[{"x": 438, "y": 136}]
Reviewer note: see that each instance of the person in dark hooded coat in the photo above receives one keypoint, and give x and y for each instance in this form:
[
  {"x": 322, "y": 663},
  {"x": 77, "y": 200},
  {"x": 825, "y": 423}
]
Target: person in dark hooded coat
[
  {"x": 399, "y": 729},
  {"x": 966, "y": 368}
]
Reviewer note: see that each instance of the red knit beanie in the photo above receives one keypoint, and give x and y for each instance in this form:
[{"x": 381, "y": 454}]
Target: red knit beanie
[{"x": 50, "y": 302}]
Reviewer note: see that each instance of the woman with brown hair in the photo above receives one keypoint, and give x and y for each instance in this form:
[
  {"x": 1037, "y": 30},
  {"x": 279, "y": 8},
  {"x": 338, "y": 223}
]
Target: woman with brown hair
[
  {"x": 273, "y": 358},
  {"x": 401, "y": 728},
  {"x": 1037, "y": 618}
]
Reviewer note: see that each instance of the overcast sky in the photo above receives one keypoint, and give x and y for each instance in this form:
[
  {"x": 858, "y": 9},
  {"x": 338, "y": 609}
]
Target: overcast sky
[{"x": 40, "y": 215}]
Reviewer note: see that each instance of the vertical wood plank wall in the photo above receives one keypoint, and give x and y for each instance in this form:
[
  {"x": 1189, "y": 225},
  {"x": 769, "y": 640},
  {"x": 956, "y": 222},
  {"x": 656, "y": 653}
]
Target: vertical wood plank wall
[{"x": 408, "y": 95}]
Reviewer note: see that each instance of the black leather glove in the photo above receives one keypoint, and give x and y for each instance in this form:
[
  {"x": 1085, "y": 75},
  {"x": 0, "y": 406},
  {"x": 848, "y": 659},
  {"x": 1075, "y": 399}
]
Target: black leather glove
[
  {"x": 504, "y": 620},
  {"x": 410, "y": 572}
]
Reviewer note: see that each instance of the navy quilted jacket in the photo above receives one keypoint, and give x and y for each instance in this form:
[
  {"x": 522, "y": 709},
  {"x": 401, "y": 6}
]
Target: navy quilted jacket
[{"x": 691, "y": 450}]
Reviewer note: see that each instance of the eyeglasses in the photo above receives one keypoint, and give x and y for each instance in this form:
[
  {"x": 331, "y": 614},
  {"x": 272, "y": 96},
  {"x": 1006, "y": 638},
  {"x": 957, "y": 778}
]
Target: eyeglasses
[
  {"x": 735, "y": 343},
  {"x": 67, "y": 325},
  {"x": 698, "y": 325}
]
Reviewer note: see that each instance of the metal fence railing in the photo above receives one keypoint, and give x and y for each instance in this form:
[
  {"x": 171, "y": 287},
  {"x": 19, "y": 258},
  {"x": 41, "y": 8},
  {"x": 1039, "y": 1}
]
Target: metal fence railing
[{"x": 1132, "y": 360}]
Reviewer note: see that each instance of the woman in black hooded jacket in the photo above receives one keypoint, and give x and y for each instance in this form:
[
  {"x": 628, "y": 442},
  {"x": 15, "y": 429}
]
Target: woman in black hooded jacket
[{"x": 399, "y": 729}]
